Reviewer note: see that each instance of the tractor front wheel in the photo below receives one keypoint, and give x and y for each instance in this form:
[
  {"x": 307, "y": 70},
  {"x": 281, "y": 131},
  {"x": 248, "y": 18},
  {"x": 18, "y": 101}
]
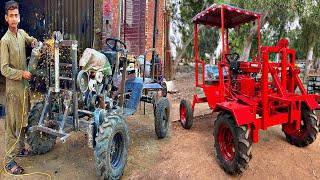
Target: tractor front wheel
[
  {"x": 162, "y": 117},
  {"x": 40, "y": 142},
  {"x": 111, "y": 150},
  {"x": 232, "y": 144},
  {"x": 186, "y": 114},
  {"x": 308, "y": 131}
]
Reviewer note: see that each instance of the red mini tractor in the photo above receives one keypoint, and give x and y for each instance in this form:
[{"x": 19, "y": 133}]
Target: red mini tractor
[{"x": 253, "y": 95}]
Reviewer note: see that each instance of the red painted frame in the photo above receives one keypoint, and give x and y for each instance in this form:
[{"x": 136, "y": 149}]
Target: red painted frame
[{"x": 259, "y": 112}]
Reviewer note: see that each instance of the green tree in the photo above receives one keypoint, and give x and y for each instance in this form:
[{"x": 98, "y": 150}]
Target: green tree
[
  {"x": 277, "y": 20},
  {"x": 274, "y": 13},
  {"x": 309, "y": 37},
  {"x": 183, "y": 20}
]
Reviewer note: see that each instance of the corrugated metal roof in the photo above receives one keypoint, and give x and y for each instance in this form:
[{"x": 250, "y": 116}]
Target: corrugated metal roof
[{"x": 74, "y": 18}]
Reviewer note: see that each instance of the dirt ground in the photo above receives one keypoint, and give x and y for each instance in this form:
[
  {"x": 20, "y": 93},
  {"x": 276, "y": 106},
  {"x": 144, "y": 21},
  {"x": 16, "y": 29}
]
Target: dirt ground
[{"x": 185, "y": 154}]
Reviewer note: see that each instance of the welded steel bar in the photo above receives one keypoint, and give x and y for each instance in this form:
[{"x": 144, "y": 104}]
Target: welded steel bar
[
  {"x": 56, "y": 67},
  {"x": 74, "y": 51},
  {"x": 154, "y": 35}
]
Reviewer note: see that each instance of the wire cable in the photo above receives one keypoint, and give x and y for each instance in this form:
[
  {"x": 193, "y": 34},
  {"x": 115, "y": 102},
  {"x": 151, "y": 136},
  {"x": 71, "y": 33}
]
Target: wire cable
[{"x": 14, "y": 145}]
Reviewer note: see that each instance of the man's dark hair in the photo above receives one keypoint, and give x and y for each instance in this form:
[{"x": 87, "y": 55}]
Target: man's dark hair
[{"x": 11, "y": 5}]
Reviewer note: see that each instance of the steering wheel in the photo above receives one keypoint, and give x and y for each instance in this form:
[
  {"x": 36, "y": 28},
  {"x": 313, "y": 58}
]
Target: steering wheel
[
  {"x": 113, "y": 43},
  {"x": 233, "y": 57}
]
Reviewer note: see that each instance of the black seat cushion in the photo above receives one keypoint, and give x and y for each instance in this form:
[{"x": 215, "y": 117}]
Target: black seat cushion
[{"x": 112, "y": 57}]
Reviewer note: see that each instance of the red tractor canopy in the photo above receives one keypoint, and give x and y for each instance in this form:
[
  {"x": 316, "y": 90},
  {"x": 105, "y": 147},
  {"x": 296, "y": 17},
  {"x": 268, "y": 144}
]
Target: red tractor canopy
[
  {"x": 225, "y": 17},
  {"x": 231, "y": 16}
]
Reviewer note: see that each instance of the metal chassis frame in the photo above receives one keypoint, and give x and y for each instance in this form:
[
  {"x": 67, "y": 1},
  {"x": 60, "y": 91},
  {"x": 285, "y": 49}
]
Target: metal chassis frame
[
  {"x": 63, "y": 131},
  {"x": 145, "y": 98}
]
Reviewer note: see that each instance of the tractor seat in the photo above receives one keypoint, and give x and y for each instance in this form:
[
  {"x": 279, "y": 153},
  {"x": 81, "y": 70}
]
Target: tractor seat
[
  {"x": 235, "y": 66},
  {"x": 112, "y": 57},
  {"x": 211, "y": 82}
]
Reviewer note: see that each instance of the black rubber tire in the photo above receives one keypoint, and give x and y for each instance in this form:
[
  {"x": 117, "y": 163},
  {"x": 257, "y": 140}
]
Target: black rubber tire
[
  {"x": 162, "y": 117},
  {"x": 189, "y": 114},
  {"x": 164, "y": 89},
  {"x": 39, "y": 142},
  {"x": 113, "y": 128},
  {"x": 242, "y": 145},
  {"x": 310, "y": 127}
]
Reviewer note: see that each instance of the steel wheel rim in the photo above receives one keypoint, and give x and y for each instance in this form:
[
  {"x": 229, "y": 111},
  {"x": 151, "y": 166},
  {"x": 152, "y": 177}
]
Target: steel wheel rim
[
  {"x": 226, "y": 142},
  {"x": 183, "y": 114},
  {"x": 300, "y": 132},
  {"x": 116, "y": 150}
]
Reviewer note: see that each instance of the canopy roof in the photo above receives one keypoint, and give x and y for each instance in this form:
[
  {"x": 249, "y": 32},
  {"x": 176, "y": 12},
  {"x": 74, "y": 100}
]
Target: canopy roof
[{"x": 233, "y": 16}]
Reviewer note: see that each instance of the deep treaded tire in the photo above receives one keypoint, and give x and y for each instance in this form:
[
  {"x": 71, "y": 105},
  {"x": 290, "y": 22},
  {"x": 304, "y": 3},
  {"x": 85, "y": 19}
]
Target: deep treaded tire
[
  {"x": 232, "y": 144},
  {"x": 164, "y": 89},
  {"x": 39, "y": 142},
  {"x": 111, "y": 150},
  {"x": 186, "y": 114},
  {"x": 162, "y": 117},
  {"x": 308, "y": 131}
]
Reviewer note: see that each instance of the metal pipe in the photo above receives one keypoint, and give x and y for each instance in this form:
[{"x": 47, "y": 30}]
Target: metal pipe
[
  {"x": 164, "y": 46},
  {"x": 223, "y": 60},
  {"x": 222, "y": 35},
  {"x": 145, "y": 61},
  {"x": 125, "y": 22},
  {"x": 144, "y": 67},
  {"x": 123, "y": 82},
  {"x": 56, "y": 67},
  {"x": 154, "y": 34},
  {"x": 227, "y": 41},
  {"x": 264, "y": 87},
  {"x": 196, "y": 52},
  {"x": 284, "y": 69},
  {"x": 120, "y": 19},
  {"x": 74, "y": 51},
  {"x": 259, "y": 39}
]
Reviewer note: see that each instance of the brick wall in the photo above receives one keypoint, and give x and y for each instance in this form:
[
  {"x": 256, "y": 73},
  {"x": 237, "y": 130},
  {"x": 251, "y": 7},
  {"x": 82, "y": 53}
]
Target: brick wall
[
  {"x": 137, "y": 26},
  {"x": 134, "y": 26},
  {"x": 110, "y": 20},
  {"x": 115, "y": 17},
  {"x": 137, "y": 30}
]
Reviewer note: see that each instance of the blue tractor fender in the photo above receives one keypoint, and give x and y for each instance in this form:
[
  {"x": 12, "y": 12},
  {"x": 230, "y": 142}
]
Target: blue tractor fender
[
  {"x": 134, "y": 85},
  {"x": 98, "y": 117}
]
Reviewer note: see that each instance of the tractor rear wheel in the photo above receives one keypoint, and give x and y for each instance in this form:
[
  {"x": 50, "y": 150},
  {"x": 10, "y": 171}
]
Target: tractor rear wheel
[
  {"x": 232, "y": 144},
  {"x": 162, "y": 117},
  {"x": 308, "y": 131},
  {"x": 111, "y": 150},
  {"x": 40, "y": 142},
  {"x": 186, "y": 114}
]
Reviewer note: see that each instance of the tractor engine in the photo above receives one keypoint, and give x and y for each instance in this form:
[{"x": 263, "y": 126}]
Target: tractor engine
[{"x": 246, "y": 77}]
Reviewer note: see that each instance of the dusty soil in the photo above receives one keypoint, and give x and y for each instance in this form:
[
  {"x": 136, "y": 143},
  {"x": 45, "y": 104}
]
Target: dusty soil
[{"x": 185, "y": 154}]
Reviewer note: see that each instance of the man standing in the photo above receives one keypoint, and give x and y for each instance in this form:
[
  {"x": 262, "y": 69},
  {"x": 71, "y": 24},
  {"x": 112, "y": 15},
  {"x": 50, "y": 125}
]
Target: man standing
[{"x": 13, "y": 65}]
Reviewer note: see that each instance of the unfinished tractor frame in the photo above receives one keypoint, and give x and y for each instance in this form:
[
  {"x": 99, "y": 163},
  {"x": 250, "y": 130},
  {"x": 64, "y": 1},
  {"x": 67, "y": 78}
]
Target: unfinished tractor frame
[
  {"x": 70, "y": 104},
  {"x": 255, "y": 95}
]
